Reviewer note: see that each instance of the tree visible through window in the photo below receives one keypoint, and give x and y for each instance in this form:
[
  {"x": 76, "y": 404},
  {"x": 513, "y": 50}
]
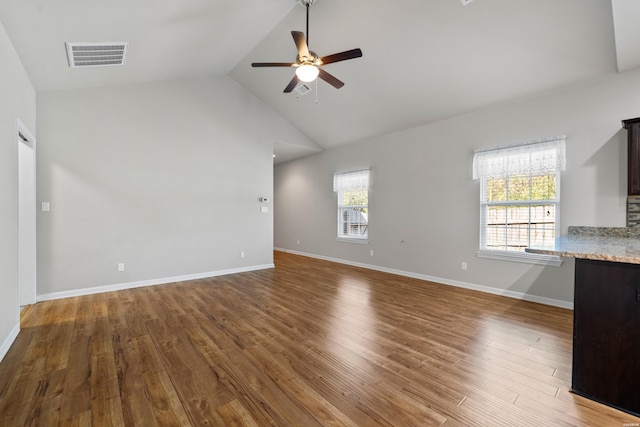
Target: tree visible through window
[
  {"x": 353, "y": 204},
  {"x": 519, "y": 194}
]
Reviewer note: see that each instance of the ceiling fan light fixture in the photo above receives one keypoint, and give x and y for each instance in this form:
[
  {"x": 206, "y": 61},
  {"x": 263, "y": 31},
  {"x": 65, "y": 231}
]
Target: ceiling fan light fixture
[{"x": 307, "y": 72}]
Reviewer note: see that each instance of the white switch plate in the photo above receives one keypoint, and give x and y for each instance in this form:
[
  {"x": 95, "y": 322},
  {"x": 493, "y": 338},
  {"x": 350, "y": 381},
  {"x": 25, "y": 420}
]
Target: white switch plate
[
  {"x": 264, "y": 209},
  {"x": 46, "y": 206}
]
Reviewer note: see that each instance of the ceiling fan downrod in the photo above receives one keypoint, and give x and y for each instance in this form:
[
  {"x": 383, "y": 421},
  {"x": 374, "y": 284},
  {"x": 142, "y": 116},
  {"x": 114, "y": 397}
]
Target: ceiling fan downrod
[{"x": 306, "y": 4}]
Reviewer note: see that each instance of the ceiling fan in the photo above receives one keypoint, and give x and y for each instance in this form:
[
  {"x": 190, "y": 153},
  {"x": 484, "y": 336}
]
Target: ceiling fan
[{"x": 308, "y": 63}]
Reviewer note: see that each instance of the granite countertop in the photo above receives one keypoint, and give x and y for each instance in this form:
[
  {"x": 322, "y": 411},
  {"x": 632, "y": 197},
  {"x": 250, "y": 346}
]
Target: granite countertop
[{"x": 618, "y": 244}]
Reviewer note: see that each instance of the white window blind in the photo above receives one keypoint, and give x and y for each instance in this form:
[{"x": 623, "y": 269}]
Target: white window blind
[
  {"x": 519, "y": 194},
  {"x": 352, "y": 189}
]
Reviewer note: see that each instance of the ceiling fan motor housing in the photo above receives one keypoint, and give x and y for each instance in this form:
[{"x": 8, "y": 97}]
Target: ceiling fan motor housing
[
  {"x": 312, "y": 59},
  {"x": 306, "y": 2}
]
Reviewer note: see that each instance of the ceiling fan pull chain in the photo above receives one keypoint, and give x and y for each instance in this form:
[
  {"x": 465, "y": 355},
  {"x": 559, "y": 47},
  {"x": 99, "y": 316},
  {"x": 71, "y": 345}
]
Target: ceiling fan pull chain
[{"x": 316, "y": 91}]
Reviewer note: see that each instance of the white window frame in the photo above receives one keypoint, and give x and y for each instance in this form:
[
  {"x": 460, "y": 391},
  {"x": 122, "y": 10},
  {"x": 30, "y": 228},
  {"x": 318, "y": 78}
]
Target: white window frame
[
  {"x": 351, "y": 181},
  {"x": 484, "y": 171}
]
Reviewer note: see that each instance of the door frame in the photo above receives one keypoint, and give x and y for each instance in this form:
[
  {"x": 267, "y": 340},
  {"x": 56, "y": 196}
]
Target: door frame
[{"x": 27, "y": 266}]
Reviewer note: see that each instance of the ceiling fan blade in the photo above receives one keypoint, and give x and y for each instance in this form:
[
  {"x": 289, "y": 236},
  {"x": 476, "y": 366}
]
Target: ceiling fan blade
[
  {"x": 330, "y": 79},
  {"x": 272, "y": 64},
  {"x": 301, "y": 43},
  {"x": 292, "y": 84},
  {"x": 342, "y": 56}
]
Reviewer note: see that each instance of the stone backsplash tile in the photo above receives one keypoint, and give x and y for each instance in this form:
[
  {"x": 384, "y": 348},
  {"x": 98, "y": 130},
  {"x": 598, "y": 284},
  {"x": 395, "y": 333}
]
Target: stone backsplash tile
[
  {"x": 598, "y": 231},
  {"x": 634, "y": 231},
  {"x": 633, "y": 211}
]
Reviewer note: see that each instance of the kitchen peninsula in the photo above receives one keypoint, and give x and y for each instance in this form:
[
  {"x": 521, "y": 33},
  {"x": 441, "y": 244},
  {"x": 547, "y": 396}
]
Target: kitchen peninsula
[{"x": 606, "y": 326}]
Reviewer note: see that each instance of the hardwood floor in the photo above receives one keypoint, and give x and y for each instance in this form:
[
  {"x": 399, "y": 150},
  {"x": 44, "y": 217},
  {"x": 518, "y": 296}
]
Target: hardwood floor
[{"x": 308, "y": 343}]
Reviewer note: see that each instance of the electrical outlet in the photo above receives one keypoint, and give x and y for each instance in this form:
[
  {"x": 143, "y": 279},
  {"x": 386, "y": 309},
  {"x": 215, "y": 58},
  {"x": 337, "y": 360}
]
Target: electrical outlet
[
  {"x": 371, "y": 252},
  {"x": 241, "y": 254},
  {"x": 121, "y": 266},
  {"x": 298, "y": 243},
  {"x": 464, "y": 266}
]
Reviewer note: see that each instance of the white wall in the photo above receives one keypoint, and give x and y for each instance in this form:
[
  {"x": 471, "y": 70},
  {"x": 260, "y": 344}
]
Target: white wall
[
  {"x": 17, "y": 100},
  {"x": 164, "y": 177},
  {"x": 424, "y": 205}
]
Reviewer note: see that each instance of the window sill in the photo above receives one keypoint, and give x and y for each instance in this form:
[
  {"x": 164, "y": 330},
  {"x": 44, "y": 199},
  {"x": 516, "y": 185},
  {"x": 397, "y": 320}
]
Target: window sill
[
  {"x": 527, "y": 258},
  {"x": 353, "y": 240}
]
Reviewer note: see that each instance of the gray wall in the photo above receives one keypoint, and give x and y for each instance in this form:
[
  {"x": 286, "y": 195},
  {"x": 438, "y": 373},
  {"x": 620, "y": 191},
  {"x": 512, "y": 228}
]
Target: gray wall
[
  {"x": 424, "y": 205},
  {"x": 164, "y": 177},
  {"x": 17, "y": 100}
]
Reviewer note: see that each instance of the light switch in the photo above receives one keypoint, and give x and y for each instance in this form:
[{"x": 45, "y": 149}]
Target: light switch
[
  {"x": 46, "y": 206},
  {"x": 264, "y": 209}
]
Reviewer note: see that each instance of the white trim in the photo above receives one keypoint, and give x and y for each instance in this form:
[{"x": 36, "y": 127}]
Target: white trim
[
  {"x": 152, "y": 282},
  {"x": 22, "y": 128},
  {"x": 27, "y": 244},
  {"x": 526, "y": 257},
  {"x": 6, "y": 345},
  {"x": 356, "y": 240},
  {"x": 456, "y": 283}
]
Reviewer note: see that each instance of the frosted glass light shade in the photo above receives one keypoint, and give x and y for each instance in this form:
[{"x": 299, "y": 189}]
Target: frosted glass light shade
[{"x": 307, "y": 73}]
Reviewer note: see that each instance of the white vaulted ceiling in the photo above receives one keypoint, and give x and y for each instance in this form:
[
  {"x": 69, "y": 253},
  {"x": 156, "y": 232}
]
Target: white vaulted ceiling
[
  {"x": 168, "y": 39},
  {"x": 422, "y": 61}
]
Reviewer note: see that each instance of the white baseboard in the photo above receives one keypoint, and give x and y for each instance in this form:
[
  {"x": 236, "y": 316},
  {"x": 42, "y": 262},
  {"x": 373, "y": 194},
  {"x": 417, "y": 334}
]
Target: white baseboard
[
  {"x": 6, "y": 345},
  {"x": 153, "y": 282},
  {"x": 472, "y": 286}
]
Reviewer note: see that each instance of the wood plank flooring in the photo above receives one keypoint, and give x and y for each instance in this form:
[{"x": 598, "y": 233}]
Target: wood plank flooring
[{"x": 309, "y": 343}]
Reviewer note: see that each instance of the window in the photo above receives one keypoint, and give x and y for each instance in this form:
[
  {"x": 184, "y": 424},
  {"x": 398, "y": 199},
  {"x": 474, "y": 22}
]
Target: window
[
  {"x": 353, "y": 205},
  {"x": 519, "y": 194}
]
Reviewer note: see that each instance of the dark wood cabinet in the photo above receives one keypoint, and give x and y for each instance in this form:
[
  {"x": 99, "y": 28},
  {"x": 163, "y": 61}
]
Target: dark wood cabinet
[
  {"x": 606, "y": 333},
  {"x": 633, "y": 169}
]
